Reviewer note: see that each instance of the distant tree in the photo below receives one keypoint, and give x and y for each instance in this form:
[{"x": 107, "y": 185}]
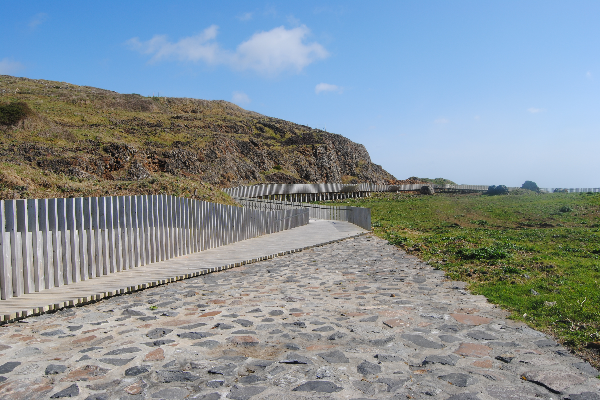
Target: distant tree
[
  {"x": 494, "y": 190},
  {"x": 530, "y": 185}
]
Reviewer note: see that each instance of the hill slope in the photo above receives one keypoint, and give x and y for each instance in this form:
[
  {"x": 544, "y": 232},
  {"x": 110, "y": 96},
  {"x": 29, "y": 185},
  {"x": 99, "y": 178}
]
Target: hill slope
[{"x": 68, "y": 140}]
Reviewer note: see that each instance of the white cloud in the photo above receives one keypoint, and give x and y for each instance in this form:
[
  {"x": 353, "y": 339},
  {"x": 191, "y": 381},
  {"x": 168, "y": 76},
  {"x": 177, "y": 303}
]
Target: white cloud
[
  {"x": 269, "y": 52},
  {"x": 534, "y": 110},
  {"x": 588, "y": 74},
  {"x": 277, "y": 50},
  {"x": 240, "y": 98},
  {"x": 441, "y": 121},
  {"x": 200, "y": 47},
  {"x": 37, "y": 19},
  {"x": 245, "y": 16},
  {"x": 326, "y": 87},
  {"x": 8, "y": 66}
]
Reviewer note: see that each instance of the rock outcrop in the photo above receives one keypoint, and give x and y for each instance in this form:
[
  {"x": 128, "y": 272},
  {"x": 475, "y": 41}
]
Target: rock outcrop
[{"x": 94, "y": 134}]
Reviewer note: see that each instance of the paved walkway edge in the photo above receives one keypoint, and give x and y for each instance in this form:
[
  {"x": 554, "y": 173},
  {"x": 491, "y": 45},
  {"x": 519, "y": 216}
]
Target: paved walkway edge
[{"x": 91, "y": 298}]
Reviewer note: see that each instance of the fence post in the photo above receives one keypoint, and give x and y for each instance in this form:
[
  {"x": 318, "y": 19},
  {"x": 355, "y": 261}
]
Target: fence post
[
  {"x": 6, "y": 290},
  {"x": 36, "y": 245},
  {"x": 79, "y": 234},
  {"x": 46, "y": 243}
]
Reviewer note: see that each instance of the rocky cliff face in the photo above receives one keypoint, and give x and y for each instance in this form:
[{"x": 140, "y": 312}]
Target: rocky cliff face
[{"x": 90, "y": 134}]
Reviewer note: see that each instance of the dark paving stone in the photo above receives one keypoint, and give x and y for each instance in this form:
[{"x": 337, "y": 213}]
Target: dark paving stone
[
  {"x": 449, "y": 328},
  {"x": 2, "y": 378},
  {"x": 53, "y": 333},
  {"x": 292, "y": 346},
  {"x": 267, "y": 320},
  {"x": 98, "y": 396},
  {"x": 157, "y": 333},
  {"x": 244, "y": 392},
  {"x": 225, "y": 370},
  {"x": 87, "y": 350},
  {"x": 294, "y": 358},
  {"x": 481, "y": 335},
  {"x": 116, "y": 361},
  {"x": 215, "y": 383},
  {"x": 223, "y": 326},
  {"x": 393, "y": 384},
  {"x": 256, "y": 310},
  {"x": 444, "y": 360},
  {"x": 318, "y": 386},
  {"x": 464, "y": 396},
  {"x": 324, "y": 329},
  {"x": 382, "y": 342},
  {"x": 192, "y": 326},
  {"x": 167, "y": 376},
  {"x": 584, "y": 396},
  {"x": 132, "y": 313},
  {"x": 505, "y": 358},
  {"x": 334, "y": 356},
  {"x": 54, "y": 369},
  {"x": 74, "y": 328},
  {"x": 135, "y": 371},
  {"x": 126, "y": 350},
  {"x": 173, "y": 393},
  {"x": 159, "y": 342},
  {"x": 71, "y": 391},
  {"x": 243, "y": 332},
  {"x": 449, "y": 338},
  {"x": 372, "y": 318},
  {"x": 209, "y": 344},
  {"x": 250, "y": 379},
  {"x": 586, "y": 368},
  {"x": 458, "y": 379},
  {"x": 209, "y": 396},
  {"x": 368, "y": 368},
  {"x": 388, "y": 358},
  {"x": 148, "y": 318},
  {"x": 275, "y": 313},
  {"x": 243, "y": 322},
  {"x": 504, "y": 344},
  {"x": 423, "y": 342},
  {"x": 195, "y": 335},
  {"x": 9, "y": 366},
  {"x": 546, "y": 343}
]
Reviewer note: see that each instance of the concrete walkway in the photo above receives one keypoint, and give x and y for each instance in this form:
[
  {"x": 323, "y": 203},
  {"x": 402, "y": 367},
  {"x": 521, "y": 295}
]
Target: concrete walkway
[
  {"x": 356, "y": 319},
  {"x": 317, "y": 232}
]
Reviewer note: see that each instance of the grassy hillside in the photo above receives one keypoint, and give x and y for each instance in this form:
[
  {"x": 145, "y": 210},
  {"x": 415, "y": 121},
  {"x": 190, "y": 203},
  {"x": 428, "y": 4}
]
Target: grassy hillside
[
  {"x": 59, "y": 139},
  {"x": 537, "y": 255}
]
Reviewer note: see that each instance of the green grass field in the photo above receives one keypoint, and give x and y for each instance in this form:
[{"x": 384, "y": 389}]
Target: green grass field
[{"x": 536, "y": 255}]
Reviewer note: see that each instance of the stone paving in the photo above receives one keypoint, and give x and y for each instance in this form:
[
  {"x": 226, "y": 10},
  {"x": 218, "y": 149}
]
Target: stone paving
[{"x": 358, "y": 319}]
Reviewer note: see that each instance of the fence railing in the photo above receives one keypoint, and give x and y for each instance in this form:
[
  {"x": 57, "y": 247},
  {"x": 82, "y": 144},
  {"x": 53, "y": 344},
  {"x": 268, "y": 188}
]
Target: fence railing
[
  {"x": 46, "y": 243},
  {"x": 356, "y": 215},
  {"x": 333, "y": 191}
]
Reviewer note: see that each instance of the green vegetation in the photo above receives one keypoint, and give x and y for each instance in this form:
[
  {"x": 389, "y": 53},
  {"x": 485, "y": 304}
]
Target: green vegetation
[
  {"x": 536, "y": 255},
  {"x": 435, "y": 181},
  {"x": 13, "y": 113}
]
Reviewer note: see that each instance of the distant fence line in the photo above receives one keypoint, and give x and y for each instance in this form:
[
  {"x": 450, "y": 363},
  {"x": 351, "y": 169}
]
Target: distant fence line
[
  {"x": 572, "y": 190},
  {"x": 356, "y": 215},
  {"x": 336, "y": 191},
  {"x": 333, "y": 191},
  {"x": 47, "y": 243}
]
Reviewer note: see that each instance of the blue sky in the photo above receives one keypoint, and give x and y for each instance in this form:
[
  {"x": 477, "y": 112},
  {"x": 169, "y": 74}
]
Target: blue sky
[{"x": 479, "y": 92}]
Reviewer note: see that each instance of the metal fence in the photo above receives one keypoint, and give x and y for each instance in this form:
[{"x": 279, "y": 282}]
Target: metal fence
[
  {"x": 47, "y": 243},
  {"x": 334, "y": 191},
  {"x": 356, "y": 215}
]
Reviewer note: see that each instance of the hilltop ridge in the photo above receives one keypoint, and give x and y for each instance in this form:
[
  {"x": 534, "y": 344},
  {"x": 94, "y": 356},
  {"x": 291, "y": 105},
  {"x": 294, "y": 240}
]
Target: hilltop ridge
[{"x": 74, "y": 140}]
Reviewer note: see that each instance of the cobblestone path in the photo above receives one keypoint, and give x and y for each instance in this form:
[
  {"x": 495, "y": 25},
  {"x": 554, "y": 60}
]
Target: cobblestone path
[{"x": 358, "y": 319}]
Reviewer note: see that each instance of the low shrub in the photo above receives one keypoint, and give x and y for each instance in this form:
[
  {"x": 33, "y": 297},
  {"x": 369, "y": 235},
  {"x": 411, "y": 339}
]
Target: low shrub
[
  {"x": 495, "y": 190},
  {"x": 530, "y": 185},
  {"x": 13, "y": 113}
]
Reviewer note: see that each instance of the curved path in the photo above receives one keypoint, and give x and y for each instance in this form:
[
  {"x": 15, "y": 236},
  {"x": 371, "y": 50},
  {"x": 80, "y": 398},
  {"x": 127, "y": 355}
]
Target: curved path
[{"x": 357, "y": 319}]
